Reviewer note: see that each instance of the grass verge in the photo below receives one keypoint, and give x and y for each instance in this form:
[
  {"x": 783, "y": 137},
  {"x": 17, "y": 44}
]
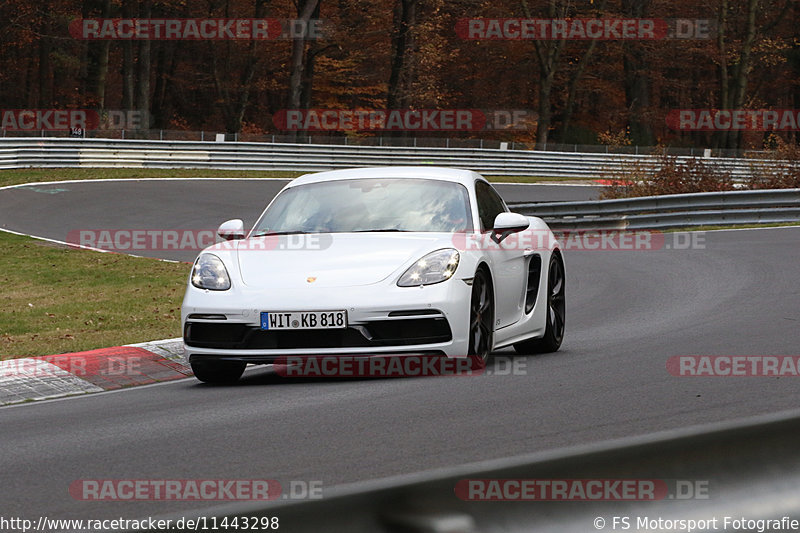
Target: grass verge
[{"x": 60, "y": 300}]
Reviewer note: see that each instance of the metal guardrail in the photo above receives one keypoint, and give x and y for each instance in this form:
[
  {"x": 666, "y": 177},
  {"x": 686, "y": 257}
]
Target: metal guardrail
[
  {"x": 748, "y": 469},
  {"x": 670, "y": 211},
  {"x": 21, "y": 152}
]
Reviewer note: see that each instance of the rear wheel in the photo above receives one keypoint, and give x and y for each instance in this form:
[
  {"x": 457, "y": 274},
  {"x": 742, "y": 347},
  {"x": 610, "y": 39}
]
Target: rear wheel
[
  {"x": 481, "y": 317},
  {"x": 556, "y": 312},
  {"x": 218, "y": 372}
]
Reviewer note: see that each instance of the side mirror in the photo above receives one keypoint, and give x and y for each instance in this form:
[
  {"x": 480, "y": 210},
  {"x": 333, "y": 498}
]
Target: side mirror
[
  {"x": 507, "y": 223},
  {"x": 231, "y": 230}
]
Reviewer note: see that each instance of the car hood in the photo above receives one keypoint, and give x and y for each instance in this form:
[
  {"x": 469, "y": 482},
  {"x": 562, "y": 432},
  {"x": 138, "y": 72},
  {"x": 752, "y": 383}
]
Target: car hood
[{"x": 331, "y": 260}]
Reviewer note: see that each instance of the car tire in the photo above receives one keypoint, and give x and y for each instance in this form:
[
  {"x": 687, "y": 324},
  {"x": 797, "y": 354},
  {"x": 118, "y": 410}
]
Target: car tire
[
  {"x": 481, "y": 317},
  {"x": 556, "y": 312},
  {"x": 218, "y": 372}
]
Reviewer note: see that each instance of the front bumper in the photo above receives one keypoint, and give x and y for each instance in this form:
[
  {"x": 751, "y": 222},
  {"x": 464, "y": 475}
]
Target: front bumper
[{"x": 382, "y": 320}]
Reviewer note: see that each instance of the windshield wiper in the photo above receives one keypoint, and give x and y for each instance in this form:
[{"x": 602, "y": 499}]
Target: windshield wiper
[
  {"x": 381, "y": 230},
  {"x": 276, "y": 233}
]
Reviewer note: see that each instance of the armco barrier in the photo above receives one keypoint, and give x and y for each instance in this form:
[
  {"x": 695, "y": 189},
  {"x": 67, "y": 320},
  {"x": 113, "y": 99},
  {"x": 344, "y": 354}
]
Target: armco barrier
[
  {"x": 671, "y": 211},
  {"x": 21, "y": 152}
]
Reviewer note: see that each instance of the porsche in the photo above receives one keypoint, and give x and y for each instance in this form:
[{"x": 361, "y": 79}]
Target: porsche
[{"x": 375, "y": 262}]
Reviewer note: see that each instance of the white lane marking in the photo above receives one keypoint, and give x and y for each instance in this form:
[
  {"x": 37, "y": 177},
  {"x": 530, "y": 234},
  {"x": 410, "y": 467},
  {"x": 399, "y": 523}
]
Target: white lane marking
[
  {"x": 89, "y": 248},
  {"x": 100, "y": 180}
]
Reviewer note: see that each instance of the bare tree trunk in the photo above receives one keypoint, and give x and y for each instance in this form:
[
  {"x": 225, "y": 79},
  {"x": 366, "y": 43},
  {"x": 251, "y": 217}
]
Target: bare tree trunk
[
  {"x": 165, "y": 65},
  {"x": 94, "y": 76},
  {"x": 733, "y": 80},
  {"x": 548, "y": 53},
  {"x": 128, "y": 71},
  {"x": 742, "y": 70},
  {"x": 45, "y": 93},
  {"x": 305, "y": 10},
  {"x": 234, "y": 103},
  {"x": 405, "y": 17},
  {"x": 308, "y": 70},
  {"x": 142, "y": 89},
  {"x": 637, "y": 79},
  {"x": 574, "y": 81}
]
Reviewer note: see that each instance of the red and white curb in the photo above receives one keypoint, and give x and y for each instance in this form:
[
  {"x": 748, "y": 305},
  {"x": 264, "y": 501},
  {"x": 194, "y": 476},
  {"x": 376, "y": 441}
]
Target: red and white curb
[{"x": 55, "y": 376}]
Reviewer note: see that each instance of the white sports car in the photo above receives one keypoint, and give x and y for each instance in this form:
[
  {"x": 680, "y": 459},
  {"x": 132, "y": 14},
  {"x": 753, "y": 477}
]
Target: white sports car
[{"x": 372, "y": 262}]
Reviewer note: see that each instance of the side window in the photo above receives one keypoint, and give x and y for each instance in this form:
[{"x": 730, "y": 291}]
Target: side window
[{"x": 489, "y": 204}]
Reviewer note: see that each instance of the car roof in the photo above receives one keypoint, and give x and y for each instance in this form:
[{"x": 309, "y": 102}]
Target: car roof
[{"x": 465, "y": 177}]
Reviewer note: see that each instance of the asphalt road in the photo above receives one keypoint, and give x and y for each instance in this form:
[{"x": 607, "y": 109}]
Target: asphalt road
[{"x": 734, "y": 293}]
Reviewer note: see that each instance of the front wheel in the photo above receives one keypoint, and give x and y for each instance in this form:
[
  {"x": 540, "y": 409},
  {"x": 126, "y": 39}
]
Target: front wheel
[
  {"x": 556, "y": 312},
  {"x": 481, "y": 317},
  {"x": 218, "y": 372}
]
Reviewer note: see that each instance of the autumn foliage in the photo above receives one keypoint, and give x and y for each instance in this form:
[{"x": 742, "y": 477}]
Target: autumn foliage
[{"x": 408, "y": 54}]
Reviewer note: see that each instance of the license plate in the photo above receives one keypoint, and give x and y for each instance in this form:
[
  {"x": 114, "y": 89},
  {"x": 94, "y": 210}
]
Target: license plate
[{"x": 304, "y": 320}]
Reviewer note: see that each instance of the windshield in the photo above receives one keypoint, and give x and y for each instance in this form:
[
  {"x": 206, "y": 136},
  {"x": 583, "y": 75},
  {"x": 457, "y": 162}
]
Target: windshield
[{"x": 362, "y": 205}]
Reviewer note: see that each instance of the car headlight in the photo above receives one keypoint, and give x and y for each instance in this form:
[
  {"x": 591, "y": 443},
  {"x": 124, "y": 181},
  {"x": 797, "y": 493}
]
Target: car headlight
[
  {"x": 435, "y": 267},
  {"x": 210, "y": 273}
]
